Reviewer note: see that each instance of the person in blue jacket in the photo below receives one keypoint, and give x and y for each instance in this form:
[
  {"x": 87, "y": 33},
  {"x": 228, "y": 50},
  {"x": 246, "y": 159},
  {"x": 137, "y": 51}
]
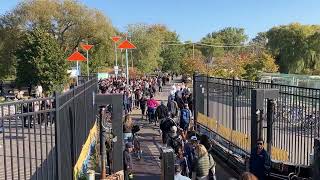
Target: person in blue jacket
[{"x": 260, "y": 161}]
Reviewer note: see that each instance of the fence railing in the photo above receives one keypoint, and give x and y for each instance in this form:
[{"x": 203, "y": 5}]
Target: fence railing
[
  {"x": 42, "y": 138},
  {"x": 224, "y": 112}
]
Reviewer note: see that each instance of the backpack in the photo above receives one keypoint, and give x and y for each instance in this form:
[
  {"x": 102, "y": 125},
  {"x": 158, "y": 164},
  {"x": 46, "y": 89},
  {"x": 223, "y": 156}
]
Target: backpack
[
  {"x": 185, "y": 116},
  {"x": 175, "y": 143},
  {"x": 166, "y": 124}
]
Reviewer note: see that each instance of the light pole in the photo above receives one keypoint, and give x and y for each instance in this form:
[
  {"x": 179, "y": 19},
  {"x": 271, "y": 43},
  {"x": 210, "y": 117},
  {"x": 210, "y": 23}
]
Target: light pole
[
  {"x": 87, "y": 47},
  {"x": 115, "y": 39},
  {"x": 126, "y": 45}
]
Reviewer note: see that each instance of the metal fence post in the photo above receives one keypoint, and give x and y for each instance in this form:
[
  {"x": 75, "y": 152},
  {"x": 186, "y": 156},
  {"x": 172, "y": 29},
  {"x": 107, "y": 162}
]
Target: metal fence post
[
  {"x": 233, "y": 105},
  {"x": 316, "y": 159},
  {"x": 270, "y": 113},
  {"x": 254, "y": 119},
  {"x": 208, "y": 100},
  {"x": 57, "y": 136},
  {"x": 102, "y": 142},
  {"x": 195, "y": 107}
]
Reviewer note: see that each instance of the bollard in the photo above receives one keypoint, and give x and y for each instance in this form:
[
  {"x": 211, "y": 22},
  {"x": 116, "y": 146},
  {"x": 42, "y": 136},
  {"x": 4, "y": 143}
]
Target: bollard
[{"x": 167, "y": 163}]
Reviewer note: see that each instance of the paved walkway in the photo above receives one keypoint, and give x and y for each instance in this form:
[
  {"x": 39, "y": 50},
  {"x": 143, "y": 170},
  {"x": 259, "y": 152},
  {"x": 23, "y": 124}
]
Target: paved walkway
[{"x": 149, "y": 166}]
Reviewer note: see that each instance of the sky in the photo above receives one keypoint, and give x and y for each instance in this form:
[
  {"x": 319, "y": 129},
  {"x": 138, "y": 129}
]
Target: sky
[{"x": 193, "y": 19}]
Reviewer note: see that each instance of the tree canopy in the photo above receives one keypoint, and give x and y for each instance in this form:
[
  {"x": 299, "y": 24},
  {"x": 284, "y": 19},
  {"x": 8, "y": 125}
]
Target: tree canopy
[
  {"x": 64, "y": 25},
  {"x": 295, "y": 47},
  {"x": 41, "y": 61}
]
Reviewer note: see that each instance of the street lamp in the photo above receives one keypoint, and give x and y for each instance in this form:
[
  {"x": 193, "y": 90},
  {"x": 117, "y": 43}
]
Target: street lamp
[{"x": 115, "y": 39}]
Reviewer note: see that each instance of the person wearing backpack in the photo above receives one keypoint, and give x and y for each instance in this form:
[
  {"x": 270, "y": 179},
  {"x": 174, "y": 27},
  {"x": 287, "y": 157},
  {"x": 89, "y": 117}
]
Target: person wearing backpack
[
  {"x": 165, "y": 127},
  {"x": 173, "y": 139},
  {"x": 172, "y": 107},
  {"x": 185, "y": 118}
]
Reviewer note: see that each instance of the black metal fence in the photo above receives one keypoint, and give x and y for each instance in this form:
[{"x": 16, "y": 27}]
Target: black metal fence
[
  {"x": 223, "y": 109},
  {"x": 42, "y": 138}
]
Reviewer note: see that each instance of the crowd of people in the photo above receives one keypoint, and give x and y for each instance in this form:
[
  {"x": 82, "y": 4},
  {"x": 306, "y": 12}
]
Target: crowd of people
[{"x": 193, "y": 152}]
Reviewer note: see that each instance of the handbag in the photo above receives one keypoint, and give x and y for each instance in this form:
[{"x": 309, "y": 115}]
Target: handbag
[{"x": 212, "y": 170}]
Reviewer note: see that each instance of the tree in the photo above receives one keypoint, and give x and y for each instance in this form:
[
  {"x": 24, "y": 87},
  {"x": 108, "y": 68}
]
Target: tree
[
  {"x": 41, "y": 61},
  {"x": 151, "y": 52},
  {"x": 191, "y": 65},
  {"x": 257, "y": 64},
  {"x": 173, "y": 54},
  {"x": 224, "y": 37},
  {"x": 70, "y": 22},
  {"x": 10, "y": 38},
  {"x": 292, "y": 46}
]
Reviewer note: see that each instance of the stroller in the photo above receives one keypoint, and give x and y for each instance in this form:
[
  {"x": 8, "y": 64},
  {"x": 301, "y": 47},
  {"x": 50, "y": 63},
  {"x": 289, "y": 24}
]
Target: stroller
[{"x": 135, "y": 141}]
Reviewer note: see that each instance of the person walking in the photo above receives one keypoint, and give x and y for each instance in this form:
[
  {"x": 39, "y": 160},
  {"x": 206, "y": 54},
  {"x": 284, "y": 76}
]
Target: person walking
[
  {"x": 152, "y": 106},
  {"x": 189, "y": 150},
  {"x": 185, "y": 118},
  {"x": 172, "y": 107},
  {"x": 165, "y": 127},
  {"x": 160, "y": 83},
  {"x": 127, "y": 129},
  {"x": 127, "y": 161},
  {"x": 260, "y": 162},
  {"x": 161, "y": 112},
  {"x": 173, "y": 139},
  {"x": 143, "y": 105}
]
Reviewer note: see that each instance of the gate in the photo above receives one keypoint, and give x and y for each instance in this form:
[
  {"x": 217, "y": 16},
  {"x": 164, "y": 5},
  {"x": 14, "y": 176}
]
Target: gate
[
  {"x": 42, "y": 138},
  {"x": 223, "y": 112}
]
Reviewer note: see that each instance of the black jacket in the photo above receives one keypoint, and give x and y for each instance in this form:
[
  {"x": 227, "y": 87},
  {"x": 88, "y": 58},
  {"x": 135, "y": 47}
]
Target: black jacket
[
  {"x": 161, "y": 112},
  {"x": 260, "y": 163}
]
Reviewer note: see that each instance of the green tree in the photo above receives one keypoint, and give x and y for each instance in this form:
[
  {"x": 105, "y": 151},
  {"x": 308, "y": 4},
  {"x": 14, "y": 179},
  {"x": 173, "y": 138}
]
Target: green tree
[
  {"x": 149, "y": 40},
  {"x": 292, "y": 46},
  {"x": 191, "y": 64},
  {"x": 172, "y": 54},
  {"x": 70, "y": 22},
  {"x": 224, "y": 37},
  {"x": 41, "y": 61},
  {"x": 257, "y": 64}
]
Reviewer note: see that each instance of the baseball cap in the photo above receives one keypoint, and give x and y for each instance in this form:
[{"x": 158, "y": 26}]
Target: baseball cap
[
  {"x": 194, "y": 138},
  {"x": 129, "y": 145}
]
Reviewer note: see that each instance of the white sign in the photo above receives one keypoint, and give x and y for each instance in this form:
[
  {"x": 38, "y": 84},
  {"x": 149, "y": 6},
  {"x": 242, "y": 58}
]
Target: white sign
[
  {"x": 116, "y": 69},
  {"x": 73, "y": 72}
]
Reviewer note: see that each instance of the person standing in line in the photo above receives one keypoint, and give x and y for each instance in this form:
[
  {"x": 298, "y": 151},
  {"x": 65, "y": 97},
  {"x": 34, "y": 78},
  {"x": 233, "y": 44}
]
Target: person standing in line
[
  {"x": 202, "y": 164},
  {"x": 161, "y": 112},
  {"x": 127, "y": 129},
  {"x": 172, "y": 107},
  {"x": 185, "y": 118},
  {"x": 165, "y": 127},
  {"x": 127, "y": 161},
  {"x": 143, "y": 104},
  {"x": 177, "y": 175},
  {"x": 260, "y": 161},
  {"x": 159, "y": 82},
  {"x": 182, "y": 161}
]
